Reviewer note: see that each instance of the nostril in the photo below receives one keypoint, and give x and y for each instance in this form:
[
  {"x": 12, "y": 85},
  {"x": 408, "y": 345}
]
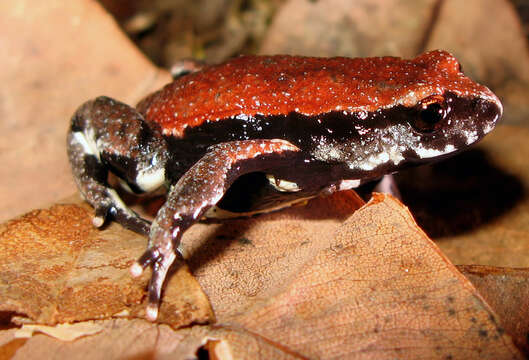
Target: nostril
[
  {"x": 487, "y": 108},
  {"x": 480, "y": 106},
  {"x": 496, "y": 106}
]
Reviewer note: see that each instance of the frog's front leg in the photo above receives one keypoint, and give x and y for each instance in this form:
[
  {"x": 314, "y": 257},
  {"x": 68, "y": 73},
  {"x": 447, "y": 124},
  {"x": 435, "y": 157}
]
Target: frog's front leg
[
  {"x": 109, "y": 136},
  {"x": 201, "y": 187}
]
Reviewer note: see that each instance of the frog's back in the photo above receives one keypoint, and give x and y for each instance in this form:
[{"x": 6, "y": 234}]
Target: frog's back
[{"x": 282, "y": 84}]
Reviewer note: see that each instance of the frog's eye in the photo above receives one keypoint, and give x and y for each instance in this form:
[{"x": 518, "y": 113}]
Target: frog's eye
[{"x": 430, "y": 113}]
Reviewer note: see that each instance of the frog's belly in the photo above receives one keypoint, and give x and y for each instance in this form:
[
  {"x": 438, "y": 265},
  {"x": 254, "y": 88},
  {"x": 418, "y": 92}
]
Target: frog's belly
[{"x": 259, "y": 193}]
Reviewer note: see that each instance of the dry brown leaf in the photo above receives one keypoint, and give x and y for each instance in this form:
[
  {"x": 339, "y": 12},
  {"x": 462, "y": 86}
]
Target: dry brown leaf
[
  {"x": 380, "y": 288},
  {"x": 9, "y": 345},
  {"x": 221, "y": 343},
  {"x": 64, "y": 332},
  {"x": 349, "y": 28},
  {"x": 58, "y": 55},
  {"x": 507, "y": 292},
  {"x": 56, "y": 267},
  {"x": 246, "y": 259},
  {"x": 137, "y": 339},
  {"x": 119, "y": 339}
]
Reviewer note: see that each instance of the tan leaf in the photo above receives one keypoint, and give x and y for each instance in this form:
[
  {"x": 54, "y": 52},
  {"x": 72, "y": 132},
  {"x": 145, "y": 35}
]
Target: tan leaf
[
  {"x": 379, "y": 288},
  {"x": 118, "y": 339},
  {"x": 56, "y": 267},
  {"x": 138, "y": 339},
  {"x": 61, "y": 53},
  {"x": 349, "y": 28},
  {"x": 242, "y": 261},
  {"x": 65, "y": 332},
  {"x": 507, "y": 292},
  {"x": 224, "y": 343}
]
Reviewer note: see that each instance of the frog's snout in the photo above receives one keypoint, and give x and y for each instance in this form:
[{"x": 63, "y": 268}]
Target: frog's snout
[{"x": 489, "y": 111}]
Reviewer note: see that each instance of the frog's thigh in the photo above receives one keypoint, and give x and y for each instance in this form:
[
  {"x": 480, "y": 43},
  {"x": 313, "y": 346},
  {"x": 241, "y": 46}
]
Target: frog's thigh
[{"x": 104, "y": 133}]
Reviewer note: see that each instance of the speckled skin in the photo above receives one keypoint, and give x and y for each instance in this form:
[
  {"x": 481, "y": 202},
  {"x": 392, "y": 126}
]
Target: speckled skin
[
  {"x": 310, "y": 125},
  {"x": 282, "y": 84}
]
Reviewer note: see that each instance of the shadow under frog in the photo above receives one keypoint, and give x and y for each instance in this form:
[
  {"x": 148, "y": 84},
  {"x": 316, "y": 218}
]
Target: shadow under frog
[
  {"x": 447, "y": 198},
  {"x": 460, "y": 194}
]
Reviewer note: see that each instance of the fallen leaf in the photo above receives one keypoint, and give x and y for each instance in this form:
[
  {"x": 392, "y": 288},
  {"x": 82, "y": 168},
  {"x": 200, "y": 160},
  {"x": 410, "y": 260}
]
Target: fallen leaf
[
  {"x": 60, "y": 55},
  {"x": 9, "y": 345},
  {"x": 118, "y": 339},
  {"x": 279, "y": 283},
  {"x": 138, "y": 339},
  {"x": 378, "y": 288},
  {"x": 64, "y": 332},
  {"x": 56, "y": 267},
  {"x": 224, "y": 343},
  {"x": 357, "y": 29},
  {"x": 507, "y": 292},
  {"x": 243, "y": 259}
]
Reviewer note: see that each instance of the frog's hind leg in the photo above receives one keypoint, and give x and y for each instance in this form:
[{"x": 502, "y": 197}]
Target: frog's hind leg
[
  {"x": 200, "y": 188},
  {"x": 108, "y": 136}
]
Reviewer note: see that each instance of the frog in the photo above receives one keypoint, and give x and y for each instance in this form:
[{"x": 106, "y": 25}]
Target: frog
[{"x": 302, "y": 126}]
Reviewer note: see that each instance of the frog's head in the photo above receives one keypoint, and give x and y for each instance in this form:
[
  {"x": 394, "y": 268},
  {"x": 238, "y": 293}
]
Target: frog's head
[
  {"x": 431, "y": 110},
  {"x": 446, "y": 111}
]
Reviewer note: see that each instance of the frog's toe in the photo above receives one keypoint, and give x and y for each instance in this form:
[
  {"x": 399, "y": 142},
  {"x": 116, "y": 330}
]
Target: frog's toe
[
  {"x": 112, "y": 208},
  {"x": 101, "y": 214},
  {"x": 147, "y": 258},
  {"x": 160, "y": 268},
  {"x": 132, "y": 221},
  {"x": 161, "y": 263},
  {"x": 98, "y": 221},
  {"x": 151, "y": 312}
]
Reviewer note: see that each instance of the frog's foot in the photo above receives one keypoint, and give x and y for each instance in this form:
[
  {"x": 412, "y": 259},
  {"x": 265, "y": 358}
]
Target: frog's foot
[
  {"x": 161, "y": 262},
  {"x": 108, "y": 205}
]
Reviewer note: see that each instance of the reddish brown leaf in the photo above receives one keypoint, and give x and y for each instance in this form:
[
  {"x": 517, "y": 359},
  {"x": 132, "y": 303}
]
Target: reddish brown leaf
[
  {"x": 507, "y": 292},
  {"x": 245, "y": 260},
  {"x": 56, "y": 267},
  {"x": 137, "y": 339}
]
